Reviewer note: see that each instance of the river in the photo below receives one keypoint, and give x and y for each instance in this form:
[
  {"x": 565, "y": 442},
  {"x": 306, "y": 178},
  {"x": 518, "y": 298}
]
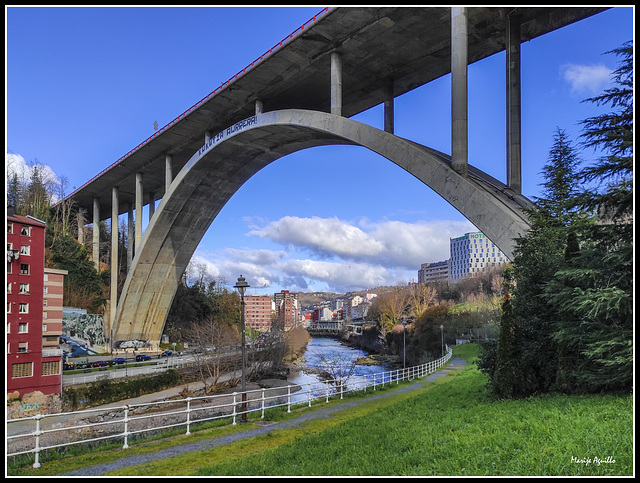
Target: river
[{"x": 322, "y": 352}]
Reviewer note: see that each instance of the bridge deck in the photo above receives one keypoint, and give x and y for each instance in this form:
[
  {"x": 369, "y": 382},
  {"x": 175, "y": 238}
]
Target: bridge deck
[{"x": 409, "y": 46}]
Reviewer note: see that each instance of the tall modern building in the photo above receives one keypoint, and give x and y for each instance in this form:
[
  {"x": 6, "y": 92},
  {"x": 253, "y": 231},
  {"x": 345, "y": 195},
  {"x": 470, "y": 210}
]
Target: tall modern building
[
  {"x": 473, "y": 254},
  {"x": 34, "y": 311}
]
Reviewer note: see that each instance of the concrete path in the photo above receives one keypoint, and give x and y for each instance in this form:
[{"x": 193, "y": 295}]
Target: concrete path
[{"x": 260, "y": 430}]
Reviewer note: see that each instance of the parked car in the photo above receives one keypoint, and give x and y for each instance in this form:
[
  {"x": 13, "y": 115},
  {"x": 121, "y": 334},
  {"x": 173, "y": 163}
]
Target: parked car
[
  {"x": 142, "y": 357},
  {"x": 100, "y": 364},
  {"x": 82, "y": 365},
  {"x": 119, "y": 360},
  {"x": 166, "y": 354},
  {"x": 67, "y": 366}
]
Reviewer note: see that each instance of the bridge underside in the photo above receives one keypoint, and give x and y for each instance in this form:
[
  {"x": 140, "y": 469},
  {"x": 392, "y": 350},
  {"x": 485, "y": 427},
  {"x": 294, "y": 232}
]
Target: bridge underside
[{"x": 211, "y": 177}]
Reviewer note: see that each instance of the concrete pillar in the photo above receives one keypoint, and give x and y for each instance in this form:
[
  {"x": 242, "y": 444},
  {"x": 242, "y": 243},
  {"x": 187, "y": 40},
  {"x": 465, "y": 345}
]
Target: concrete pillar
[
  {"x": 388, "y": 109},
  {"x": 114, "y": 255},
  {"x": 336, "y": 84},
  {"x": 130, "y": 237},
  {"x": 514, "y": 153},
  {"x": 96, "y": 233},
  {"x": 152, "y": 205},
  {"x": 459, "y": 129},
  {"x": 80, "y": 220},
  {"x": 139, "y": 195},
  {"x": 259, "y": 106},
  {"x": 168, "y": 171}
]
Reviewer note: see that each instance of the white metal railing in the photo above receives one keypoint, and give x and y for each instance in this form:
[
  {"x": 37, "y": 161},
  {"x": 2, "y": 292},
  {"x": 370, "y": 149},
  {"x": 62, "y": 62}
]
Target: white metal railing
[{"x": 64, "y": 429}]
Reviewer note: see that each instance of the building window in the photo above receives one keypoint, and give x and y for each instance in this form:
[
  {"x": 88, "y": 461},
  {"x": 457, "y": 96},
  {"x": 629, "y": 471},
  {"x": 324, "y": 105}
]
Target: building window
[
  {"x": 22, "y": 369},
  {"x": 8, "y": 307},
  {"x": 24, "y": 288},
  {"x": 50, "y": 368},
  {"x": 23, "y": 328},
  {"x": 25, "y": 250},
  {"x": 10, "y": 228},
  {"x": 9, "y": 285},
  {"x": 23, "y": 347},
  {"x": 25, "y": 231},
  {"x": 24, "y": 269},
  {"x": 24, "y": 308}
]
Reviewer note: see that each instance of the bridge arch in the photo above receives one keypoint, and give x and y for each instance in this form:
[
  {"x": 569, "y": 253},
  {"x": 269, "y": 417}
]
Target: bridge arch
[{"x": 229, "y": 159}]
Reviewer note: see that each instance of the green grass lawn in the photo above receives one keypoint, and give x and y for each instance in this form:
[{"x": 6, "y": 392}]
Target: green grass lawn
[{"x": 447, "y": 427}]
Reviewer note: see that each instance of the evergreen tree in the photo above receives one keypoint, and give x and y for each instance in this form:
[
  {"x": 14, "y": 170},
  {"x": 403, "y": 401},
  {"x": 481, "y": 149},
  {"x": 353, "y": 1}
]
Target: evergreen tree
[
  {"x": 595, "y": 291},
  {"x": 537, "y": 257}
]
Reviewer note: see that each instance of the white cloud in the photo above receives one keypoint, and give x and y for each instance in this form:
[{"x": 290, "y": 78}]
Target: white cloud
[
  {"x": 16, "y": 164},
  {"x": 389, "y": 243},
  {"x": 344, "y": 257},
  {"x": 586, "y": 79}
]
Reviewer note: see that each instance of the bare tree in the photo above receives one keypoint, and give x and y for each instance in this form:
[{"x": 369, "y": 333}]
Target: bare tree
[
  {"x": 391, "y": 306},
  {"x": 422, "y": 296},
  {"x": 209, "y": 339},
  {"x": 339, "y": 368}
]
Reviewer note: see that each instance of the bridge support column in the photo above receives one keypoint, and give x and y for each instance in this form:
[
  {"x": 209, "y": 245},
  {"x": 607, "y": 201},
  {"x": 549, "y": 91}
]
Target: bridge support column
[
  {"x": 388, "y": 109},
  {"x": 130, "y": 237},
  {"x": 96, "y": 233},
  {"x": 80, "y": 220},
  {"x": 514, "y": 158},
  {"x": 152, "y": 205},
  {"x": 114, "y": 256},
  {"x": 168, "y": 171},
  {"x": 336, "y": 84},
  {"x": 459, "y": 128},
  {"x": 139, "y": 195}
]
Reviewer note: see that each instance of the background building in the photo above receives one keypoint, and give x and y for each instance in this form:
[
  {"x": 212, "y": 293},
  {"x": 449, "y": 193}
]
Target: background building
[
  {"x": 287, "y": 309},
  {"x": 258, "y": 311},
  {"x": 433, "y": 272},
  {"x": 473, "y": 254},
  {"x": 34, "y": 358}
]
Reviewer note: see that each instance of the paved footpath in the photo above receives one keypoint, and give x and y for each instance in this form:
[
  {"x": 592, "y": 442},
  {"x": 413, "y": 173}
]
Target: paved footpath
[{"x": 258, "y": 431}]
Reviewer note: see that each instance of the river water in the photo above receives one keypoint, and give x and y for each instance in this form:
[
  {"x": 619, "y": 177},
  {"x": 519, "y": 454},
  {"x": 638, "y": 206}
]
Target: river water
[{"x": 334, "y": 357}]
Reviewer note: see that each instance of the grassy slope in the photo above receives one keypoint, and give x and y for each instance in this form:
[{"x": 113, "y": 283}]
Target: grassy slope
[{"x": 449, "y": 427}]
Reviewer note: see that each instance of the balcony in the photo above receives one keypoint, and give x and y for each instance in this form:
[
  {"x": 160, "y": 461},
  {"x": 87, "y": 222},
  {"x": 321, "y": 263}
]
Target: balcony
[{"x": 51, "y": 352}]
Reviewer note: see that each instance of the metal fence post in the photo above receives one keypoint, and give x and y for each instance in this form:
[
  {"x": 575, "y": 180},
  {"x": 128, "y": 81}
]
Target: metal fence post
[
  {"x": 188, "y": 415},
  {"x": 126, "y": 427},
  {"x": 36, "y": 463},
  {"x": 288, "y": 399},
  {"x": 262, "y": 416},
  {"x": 234, "y": 407}
]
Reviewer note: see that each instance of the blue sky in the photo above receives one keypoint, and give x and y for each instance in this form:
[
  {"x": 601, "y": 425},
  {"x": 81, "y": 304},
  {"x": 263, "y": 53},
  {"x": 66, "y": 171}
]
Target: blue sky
[{"x": 85, "y": 85}]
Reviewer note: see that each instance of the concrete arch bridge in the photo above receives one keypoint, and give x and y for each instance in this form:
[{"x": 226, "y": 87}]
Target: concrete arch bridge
[
  {"x": 214, "y": 173},
  {"x": 301, "y": 94}
]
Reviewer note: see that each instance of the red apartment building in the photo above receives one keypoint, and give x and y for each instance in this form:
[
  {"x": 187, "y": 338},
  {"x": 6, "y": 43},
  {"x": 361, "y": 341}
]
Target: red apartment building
[
  {"x": 258, "y": 312},
  {"x": 287, "y": 309},
  {"x": 34, "y": 361}
]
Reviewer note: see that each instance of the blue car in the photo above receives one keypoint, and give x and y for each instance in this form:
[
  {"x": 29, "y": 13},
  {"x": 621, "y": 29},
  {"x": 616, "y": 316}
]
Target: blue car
[
  {"x": 142, "y": 357},
  {"x": 119, "y": 360}
]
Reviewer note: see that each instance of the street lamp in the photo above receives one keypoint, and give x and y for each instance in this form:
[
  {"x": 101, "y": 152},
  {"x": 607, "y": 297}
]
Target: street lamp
[
  {"x": 242, "y": 286},
  {"x": 404, "y": 342},
  {"x": 442, "y": 344}
]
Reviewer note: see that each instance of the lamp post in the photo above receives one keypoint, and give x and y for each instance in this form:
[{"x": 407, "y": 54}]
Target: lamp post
[
  {"x": 404, "y": 342},
  {"x": 442, "y": 343},
  {"x": 242, "y": 285}
]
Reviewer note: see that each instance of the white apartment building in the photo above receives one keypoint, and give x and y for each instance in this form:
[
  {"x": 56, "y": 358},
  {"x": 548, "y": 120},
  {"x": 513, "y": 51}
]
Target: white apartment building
[
  {"x": 433, "y": 272},
  {"x": 472, "y": 254}
]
